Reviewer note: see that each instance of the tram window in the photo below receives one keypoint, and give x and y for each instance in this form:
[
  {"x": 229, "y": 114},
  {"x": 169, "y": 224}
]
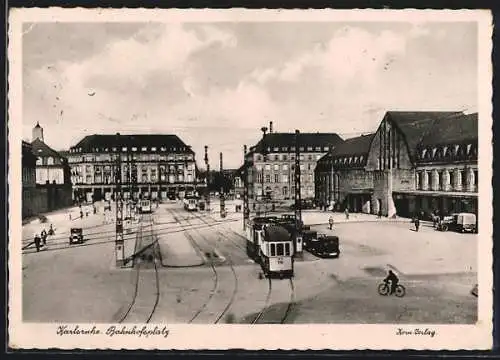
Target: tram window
[
  {"x": 273, "y": 249},
  {"x": 287, "y": 249},
  {"x": 280, "y": 250}
]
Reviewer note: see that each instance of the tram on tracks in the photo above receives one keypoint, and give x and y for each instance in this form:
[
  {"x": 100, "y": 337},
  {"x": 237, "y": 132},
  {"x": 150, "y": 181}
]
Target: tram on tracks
[
  {"x": 191, "y": 203},
  {"x": 271, "y": 245},
  {"x": 145, "y": 206}
]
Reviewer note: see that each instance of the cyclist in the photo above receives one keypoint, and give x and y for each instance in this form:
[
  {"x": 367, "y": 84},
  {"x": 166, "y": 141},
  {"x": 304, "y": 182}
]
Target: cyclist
[{"x": 393, "y": 279}]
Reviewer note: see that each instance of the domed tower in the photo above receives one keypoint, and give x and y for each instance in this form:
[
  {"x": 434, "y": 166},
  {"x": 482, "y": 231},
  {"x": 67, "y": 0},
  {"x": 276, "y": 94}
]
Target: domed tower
[{"x": 37, "y": 132}]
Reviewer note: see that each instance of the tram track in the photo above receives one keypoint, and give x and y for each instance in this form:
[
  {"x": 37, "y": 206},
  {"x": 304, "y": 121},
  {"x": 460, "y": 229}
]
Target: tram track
[
  {"x": 210, "y": 308},
  {"x": 140, "y": 306},
  {"x": 271, "y": 313}
]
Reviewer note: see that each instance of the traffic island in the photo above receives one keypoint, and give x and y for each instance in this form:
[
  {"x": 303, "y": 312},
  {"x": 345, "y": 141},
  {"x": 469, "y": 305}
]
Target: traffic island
[{"x": 177, "y": 251}]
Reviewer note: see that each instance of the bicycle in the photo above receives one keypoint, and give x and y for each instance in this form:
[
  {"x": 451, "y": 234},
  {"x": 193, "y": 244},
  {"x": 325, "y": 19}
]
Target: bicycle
[{"x": 384, "y": 289}]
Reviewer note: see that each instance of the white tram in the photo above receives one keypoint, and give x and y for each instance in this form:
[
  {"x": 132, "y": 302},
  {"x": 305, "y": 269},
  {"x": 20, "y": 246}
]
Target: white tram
[
  {"x": 145, "y": 206},
  {"x": 191, "y": 203},
  {"x": 271, "y": 245}
]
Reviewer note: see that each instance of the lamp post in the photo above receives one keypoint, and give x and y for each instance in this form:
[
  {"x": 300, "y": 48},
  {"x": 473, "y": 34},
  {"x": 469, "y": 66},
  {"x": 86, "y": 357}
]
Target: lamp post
[
  {"x": 264, "y": 155},
  {"x": 298, "y": 202},
  {"x": 246, "y": 205},
  {"x": 222, "y": 202},
  {"x": 207, "y": 193},
  {"x": 119, "y": 240}
]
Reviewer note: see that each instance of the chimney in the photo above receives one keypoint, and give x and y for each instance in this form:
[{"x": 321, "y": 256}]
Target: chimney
[{"x": 270, "y": 127}]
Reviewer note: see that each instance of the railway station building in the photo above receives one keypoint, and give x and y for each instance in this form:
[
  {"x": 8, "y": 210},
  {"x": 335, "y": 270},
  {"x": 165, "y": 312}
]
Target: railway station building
[
  {"x": 414, "y": 162},
  {"x": 271, "y": 164},
  {"x": 152, "y": 166}
]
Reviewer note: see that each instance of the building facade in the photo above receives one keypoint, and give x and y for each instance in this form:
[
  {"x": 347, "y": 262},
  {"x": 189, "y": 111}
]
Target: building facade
[
  {"x": 271, "y": 164},
  {"x": 152, "y": 166},
  {"x": 415, "y": 162},
  {"x": 28, "y": 179},
  {"x": 51, "y": 166}
]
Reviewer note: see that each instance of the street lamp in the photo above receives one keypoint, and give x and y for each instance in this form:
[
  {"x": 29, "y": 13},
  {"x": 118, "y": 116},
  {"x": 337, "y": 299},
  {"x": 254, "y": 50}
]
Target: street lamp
[
  {"x": 246, "y": 207},
  {"x": 264, "y": 155},
  {"x": 207, "y": 193},
  {"x": 119, "y": 240}
]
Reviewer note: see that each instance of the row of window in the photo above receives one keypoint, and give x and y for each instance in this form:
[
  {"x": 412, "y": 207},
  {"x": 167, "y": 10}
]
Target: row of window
[
  {"x": 50, "y": 161},
  {"x": 125, "y": 168},
  {"x": 448, "y": 151},
  {"x": 284, "y": 157},
  {"x": 134, "y": 157},
  {"x": 284, "y": 178},
  {"x": 108, "y": 179},
  {"x": 133, "y": 149},
  {"x": 278, "y": 249},
  {"x": 284, "y": 167}
]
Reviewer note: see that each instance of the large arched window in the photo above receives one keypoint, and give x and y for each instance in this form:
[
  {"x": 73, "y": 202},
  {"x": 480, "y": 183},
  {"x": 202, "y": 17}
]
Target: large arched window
[{"x": 50, "y": 160}]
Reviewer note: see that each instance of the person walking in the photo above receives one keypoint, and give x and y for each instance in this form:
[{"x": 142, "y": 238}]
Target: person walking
[
  {"x": 330, "y": 222},
  {"x": 380, "y": 214},
  {"x": 346, "y": 211},
  {"x": 417, "y": 224},
  {"x": 43, "y": 235},
  {"x": 37, "y": 242}
]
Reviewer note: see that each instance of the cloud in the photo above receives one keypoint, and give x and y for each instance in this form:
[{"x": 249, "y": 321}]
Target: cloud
[
  {"x": 349, "y": 53},
  {"x": 190, "y": 80}
]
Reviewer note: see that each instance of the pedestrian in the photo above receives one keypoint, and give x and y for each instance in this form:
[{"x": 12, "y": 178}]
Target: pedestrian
[
  {"x": 81, "y": 214},
  {"x": 95, "y": 210},
  {"x": 87, "y": 213},
  {"x": 346, "y": 213},
  {"x": 380, "y": 214},
  {"x": 37, "y": 242},
  {"x": 43, "y": 235},
  {"x": 330, "y": 222},
  {"x": 417, "y": 224},
  {"x": 51, "y": 230},
  {"x": 69, "y": 216}
]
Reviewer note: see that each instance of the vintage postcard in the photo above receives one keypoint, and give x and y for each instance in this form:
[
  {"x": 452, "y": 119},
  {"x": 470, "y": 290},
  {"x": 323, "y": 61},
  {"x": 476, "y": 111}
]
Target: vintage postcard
[{"x": 252, "y": 179}]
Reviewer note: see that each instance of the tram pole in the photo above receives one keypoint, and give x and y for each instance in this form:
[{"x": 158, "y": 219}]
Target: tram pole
[
  {"x": 264, "y": 159},
  {"x": 207, "y": 193},
  {"x": 119, "y": 240},
  {"x": 222, "y": 200},
  {"x": 298, "y": 202},
  {"x": 246, "y": 205}
]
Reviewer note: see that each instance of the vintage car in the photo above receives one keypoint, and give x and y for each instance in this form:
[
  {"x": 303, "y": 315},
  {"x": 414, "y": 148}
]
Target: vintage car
[
  {"x": 326, "y": 246},
  {"x": 462, "y": 222},
  {"x": 76, "y": 236}
]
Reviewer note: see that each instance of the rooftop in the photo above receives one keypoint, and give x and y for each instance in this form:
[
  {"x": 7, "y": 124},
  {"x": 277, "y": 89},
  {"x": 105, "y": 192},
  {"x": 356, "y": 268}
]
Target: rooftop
[
  {"x": 287, "y": 140},
  {"x": 40, "y": 149},
  {"x": 98, "y": 143}
]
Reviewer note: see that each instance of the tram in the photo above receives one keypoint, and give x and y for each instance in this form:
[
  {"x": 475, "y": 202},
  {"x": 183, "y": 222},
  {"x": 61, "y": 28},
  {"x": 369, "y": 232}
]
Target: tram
[
  {"x": 145, "y": 206},
  {"x": 271, "y": 245},
  {"x": 191, "y": 203}
]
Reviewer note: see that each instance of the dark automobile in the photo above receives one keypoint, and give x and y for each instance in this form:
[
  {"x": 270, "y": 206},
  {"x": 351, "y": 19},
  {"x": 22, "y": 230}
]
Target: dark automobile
[
  {"x": 76, "y": 236},
  {"x": 326, "y": 246},
  {"x": 309, "y": 237}
]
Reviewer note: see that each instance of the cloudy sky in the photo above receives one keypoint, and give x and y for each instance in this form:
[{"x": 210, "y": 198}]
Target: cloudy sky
[{"x": 216, "y": 84}]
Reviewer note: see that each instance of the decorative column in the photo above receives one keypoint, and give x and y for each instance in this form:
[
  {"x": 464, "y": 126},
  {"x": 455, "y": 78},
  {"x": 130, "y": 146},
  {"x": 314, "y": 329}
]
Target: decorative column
[
  {"x": 425, "y": 180},
  {"x": 445, "y": 178},
  {"x": 457, "y": 180},
  {"x": 471, "y": 180},
  {"x": 417, "y": 180},
  {"x": 435, "y": 180}
]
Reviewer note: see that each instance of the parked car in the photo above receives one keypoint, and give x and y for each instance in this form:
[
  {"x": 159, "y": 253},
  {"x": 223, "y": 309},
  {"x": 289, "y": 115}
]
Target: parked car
[
  {"x": 325, "y": 246},
  {"x": 462, "y": 222},
  {"x": 76, "y": 236}
]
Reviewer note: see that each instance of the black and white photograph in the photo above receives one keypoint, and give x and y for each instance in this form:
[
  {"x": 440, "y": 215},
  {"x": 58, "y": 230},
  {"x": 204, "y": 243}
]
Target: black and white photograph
[{"x": 258, "y": 179}]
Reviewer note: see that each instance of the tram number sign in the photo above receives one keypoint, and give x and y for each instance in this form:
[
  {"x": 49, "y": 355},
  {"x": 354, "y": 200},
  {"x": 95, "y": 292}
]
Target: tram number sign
[{"x": 280, "y": 261}]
